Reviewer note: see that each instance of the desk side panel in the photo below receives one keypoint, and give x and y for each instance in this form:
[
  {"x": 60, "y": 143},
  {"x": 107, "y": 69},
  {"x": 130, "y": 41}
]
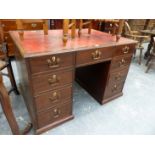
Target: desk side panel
[{"x": 25, "y": 84}]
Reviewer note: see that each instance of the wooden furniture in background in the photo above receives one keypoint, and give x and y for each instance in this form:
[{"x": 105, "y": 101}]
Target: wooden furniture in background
[
  {"x": 80, "y": 23},
  {"x": 47, "y": 70},
  {"x": 151, "y": 34},
  {"x": 5, "y": 63},
  {"x": 7, "y": 109},
  {"x": 56, "y": 24},
  {"x": 104, "y": 25},
  {"x": 107, "y": 25},
  {"x": 136, "y": 35},
  {"x": 85, "y": 24},
  {"x": 72, "y": 25},
  {"x": 66, "y": 26},
  {"x": 7, "y": 25},
  {"x": 141, "y": 24},
  {"x": 23, "y": 24},
  {"x": 151, "y": 57},
  {"x": 6, "y": 106},
  {"x": 112, "y": 26}
]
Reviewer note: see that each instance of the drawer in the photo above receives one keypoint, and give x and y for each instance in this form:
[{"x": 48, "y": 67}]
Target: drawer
[
  {"x": 118, "y": 76},
  {"x": 113, "y": 88},
  {"x": 93, "y": 56},
  {"x": 52, "y": 98},
  {"x": 124, "y": 50},
  {"x": 33, "y": 26},
  {"x": 8, "y": 25},
  {"x": 50, "y": 63},
  {"x": 45, "y": 82},
  {"x": 121, "y": 62},
  {"x": 54, "y": 114}
]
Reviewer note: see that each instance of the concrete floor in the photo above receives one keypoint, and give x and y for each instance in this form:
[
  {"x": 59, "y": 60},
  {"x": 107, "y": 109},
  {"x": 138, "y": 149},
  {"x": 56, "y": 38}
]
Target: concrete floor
[{"x": 133, "y": 113}]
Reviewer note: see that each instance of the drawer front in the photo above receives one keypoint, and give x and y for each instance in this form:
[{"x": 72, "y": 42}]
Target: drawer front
[
  {"x": 121, "y": 62},
  {"x": 93, "y": 56},
  {"x": 118, "y": 76},
  {"x": 113, "y": 88},
  {"x": 8, "y": 25},
  {"x": 33, "y": 26},
  {"x": 52, "y": 98},
  {"x": 53, "y": 62},
  {"x": 42, "y": 83},
  {"x": 54, "y": 114},
  {"x": 124, "y": 50}
]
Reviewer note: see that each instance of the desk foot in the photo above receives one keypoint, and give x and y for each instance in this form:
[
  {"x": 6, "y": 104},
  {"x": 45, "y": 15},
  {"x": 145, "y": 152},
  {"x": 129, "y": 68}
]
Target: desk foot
[{"x": 111, "y": 98}]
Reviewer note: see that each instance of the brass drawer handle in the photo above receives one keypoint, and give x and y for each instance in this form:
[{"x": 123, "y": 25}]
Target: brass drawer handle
[
  {"x": 96, "y": 55},
  {"x": 53, "y": 80},
  {"x": 114, "y": 88},
  {"x": 126, "y": 49},
  {"x": 34, "y": 25},
  {"x": 56, "y": 112},
  {"x": 53, "y": 62},
  {"x": 55, "y": 97},
  {"x": 122, "y": 62}
]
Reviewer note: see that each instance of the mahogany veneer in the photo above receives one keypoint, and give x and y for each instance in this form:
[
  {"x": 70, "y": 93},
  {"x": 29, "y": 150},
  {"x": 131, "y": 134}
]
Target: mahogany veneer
[{"x": 47, "y": 70}]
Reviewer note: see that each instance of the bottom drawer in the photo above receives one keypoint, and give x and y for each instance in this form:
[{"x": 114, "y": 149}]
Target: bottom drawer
[
  {"x": 114, "y": 88},
  {"x": 54, "y": 114}
]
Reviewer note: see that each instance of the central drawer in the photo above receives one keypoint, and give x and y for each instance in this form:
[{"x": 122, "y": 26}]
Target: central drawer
[
  {"x": 51, "y": 63},
  {"x": 46, "y": 82},
  {"x": 93, "y": 56}
]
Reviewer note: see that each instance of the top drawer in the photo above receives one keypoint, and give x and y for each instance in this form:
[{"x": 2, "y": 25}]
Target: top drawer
[
  {"x": 124, "y": 50},
  {"x": 53, "y": 62},
  {"x": 95, "y": 55}
]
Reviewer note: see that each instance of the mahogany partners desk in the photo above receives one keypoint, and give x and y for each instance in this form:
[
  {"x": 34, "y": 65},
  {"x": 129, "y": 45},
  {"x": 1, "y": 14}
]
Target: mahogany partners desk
[{"x": 47, "y": 70}]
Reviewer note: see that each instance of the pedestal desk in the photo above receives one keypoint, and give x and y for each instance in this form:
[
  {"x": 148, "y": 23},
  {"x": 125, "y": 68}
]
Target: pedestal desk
[{"x": 47, "y": 70}]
